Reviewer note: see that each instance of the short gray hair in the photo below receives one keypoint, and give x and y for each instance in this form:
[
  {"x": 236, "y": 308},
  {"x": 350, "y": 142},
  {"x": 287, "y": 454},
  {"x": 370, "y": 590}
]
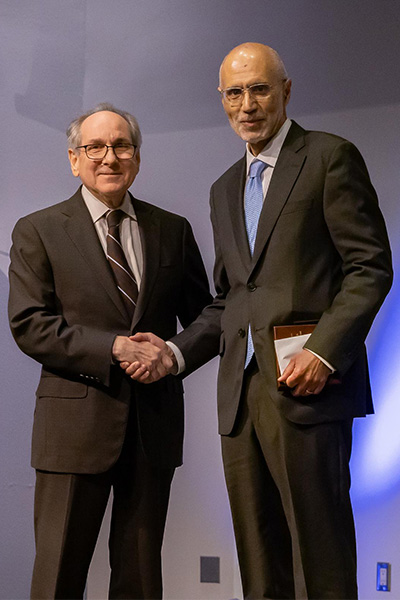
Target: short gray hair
[{"x": 74, "y": 129}]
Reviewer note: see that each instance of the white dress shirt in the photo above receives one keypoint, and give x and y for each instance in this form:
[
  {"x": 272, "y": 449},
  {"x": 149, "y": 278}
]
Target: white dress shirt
[
  {"x": 269, "y": 154},
  {"x": 129, "y": 230}
]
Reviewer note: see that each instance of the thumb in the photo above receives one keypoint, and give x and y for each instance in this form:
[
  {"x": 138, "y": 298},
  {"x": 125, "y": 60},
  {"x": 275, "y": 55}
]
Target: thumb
[
  {"x": 140, "y": 337},
  {"x": 287, "y": 372}
]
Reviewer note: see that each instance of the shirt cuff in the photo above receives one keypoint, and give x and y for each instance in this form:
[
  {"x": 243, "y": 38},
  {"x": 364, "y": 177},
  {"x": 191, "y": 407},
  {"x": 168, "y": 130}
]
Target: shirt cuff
[
  {"x": 322, "y": 360},
  {"x": 180, "y": 361}
]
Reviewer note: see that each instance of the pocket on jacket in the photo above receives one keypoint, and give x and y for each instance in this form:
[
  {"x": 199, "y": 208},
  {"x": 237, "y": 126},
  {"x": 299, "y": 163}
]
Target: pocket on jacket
[
  {"x": 55, "y": 387},
  {"x": 291, "y": 207},
  {"x": 169, "y": 259}
]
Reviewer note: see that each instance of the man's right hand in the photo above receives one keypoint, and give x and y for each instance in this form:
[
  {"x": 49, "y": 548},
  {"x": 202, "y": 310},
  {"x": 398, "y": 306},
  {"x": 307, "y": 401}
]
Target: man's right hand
[
  {"x": 127, "y": 350},
  {"x": 151, "y": 360},
  {"x": 305, "y": 374}
]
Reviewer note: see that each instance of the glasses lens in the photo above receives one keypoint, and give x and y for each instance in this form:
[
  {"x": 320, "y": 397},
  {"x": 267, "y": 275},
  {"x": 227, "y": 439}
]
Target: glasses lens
[
  {"x": 96, "y": 151},
  {"x": 259, "y": 90},
  {"x": 124, "y": 150},
  {"x": 233, "y": 94}
]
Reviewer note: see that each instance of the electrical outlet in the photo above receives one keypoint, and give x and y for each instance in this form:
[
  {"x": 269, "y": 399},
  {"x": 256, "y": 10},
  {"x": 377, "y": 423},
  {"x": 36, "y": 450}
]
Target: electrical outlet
[
  {"x": 383, "y": 577},
  {"x": 209, "y": 569}
]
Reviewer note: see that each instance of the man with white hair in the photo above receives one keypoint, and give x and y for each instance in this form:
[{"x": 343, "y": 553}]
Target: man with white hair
[{"x": 85, "y": 275}]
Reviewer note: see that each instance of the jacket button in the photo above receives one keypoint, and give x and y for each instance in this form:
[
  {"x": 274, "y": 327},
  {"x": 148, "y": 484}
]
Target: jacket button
[
  {"x": 251, "y": 286},
  {"x": 241, "y": 333}
]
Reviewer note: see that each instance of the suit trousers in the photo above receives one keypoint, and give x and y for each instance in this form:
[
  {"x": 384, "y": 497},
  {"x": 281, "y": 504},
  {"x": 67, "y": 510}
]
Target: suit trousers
[
  {"x": 69, "y": 510},
  {"x": 288, "y": 487}
]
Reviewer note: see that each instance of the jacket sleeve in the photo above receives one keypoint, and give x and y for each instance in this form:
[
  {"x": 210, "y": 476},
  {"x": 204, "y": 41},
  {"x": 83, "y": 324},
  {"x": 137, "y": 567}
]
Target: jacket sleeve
[
  {"x": 200, "y": 341},
  {"x": 357, "y": 229},
  {"x": 36, "y": 314}
]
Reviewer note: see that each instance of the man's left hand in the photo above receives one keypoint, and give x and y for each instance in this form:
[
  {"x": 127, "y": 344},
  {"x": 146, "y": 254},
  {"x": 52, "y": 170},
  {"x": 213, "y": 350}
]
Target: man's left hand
[{"x": 305, "y": 374}]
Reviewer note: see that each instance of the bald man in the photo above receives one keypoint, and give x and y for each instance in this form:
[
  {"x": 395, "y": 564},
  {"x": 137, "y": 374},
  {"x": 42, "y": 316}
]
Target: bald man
[{"x": 317, "y": 252}]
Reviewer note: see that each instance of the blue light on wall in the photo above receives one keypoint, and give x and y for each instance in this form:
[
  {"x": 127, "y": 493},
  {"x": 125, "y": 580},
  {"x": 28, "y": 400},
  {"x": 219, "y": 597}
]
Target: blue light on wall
[{"x": 376, "y": 456}]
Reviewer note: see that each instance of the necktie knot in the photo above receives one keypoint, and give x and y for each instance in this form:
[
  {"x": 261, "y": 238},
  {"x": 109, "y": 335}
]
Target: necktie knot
[
  {"x": 114, "y": 218},
  {"x": 256, "y": 168}
]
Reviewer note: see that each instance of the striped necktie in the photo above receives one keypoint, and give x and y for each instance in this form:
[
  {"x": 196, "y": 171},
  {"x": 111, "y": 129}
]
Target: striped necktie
[
  {"x": 123, "y": 275},
  {"x": 253, "y": 203}
]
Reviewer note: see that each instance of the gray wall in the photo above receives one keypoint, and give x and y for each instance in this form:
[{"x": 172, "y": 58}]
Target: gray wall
[{"x": 160, "y": 60}]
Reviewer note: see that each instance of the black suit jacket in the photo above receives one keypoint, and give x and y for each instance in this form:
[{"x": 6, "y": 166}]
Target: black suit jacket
[
  {"x": 321, "y": 253},
  {"x": 65, "y": 311}
]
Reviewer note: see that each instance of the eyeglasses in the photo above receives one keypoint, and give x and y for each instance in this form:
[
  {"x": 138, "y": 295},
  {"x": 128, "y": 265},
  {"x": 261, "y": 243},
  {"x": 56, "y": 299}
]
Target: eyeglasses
[
  {"x": 99, "y": 151},
  {"x": 234, "y": 95}
]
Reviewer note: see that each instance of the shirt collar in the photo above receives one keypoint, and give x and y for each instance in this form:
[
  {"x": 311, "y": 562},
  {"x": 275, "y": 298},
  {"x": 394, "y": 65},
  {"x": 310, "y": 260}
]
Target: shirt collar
[
  {"x": 269, "y": 154},
  {"x": 98, "y": 209}
]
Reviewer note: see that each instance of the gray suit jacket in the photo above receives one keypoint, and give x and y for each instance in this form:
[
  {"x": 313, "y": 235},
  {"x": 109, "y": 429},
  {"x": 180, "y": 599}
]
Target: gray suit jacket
[
  {"x": 65, "y": 311},
  {"x": 321, "y": 253}
]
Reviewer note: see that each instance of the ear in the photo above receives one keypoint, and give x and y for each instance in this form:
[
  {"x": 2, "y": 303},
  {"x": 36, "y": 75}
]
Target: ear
[
  {"x": 74, "y": 162},
  {"x": 287, "y": 91},
  {"x": 137, "y": 158},
  {"x": 221, "y": 95}
]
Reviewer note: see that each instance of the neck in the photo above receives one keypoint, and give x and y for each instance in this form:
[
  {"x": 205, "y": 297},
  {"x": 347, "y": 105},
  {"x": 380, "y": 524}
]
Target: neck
[
  {"x": 112, "y": 201},
  {"x": 255, "y": 149}
]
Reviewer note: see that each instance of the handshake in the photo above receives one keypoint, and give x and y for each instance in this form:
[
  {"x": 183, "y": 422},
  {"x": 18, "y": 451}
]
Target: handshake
[{"x": 144, "y": 357}]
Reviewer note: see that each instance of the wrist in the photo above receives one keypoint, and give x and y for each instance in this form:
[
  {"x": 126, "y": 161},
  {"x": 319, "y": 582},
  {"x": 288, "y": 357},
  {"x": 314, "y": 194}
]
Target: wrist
[
  {"x": 173, "y": 370},
  {"x": 117, "y": 348}
]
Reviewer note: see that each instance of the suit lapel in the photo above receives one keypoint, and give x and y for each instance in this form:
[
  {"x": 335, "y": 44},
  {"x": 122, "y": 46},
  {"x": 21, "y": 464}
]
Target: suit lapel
[
  {"x": 149, "y": 230},
  {"x": 79, "y": 226},
  {"x": 286, "y": 172}
]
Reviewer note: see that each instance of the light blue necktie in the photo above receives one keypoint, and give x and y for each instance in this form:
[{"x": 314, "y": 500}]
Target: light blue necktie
[{"x": 253, "y": 203}]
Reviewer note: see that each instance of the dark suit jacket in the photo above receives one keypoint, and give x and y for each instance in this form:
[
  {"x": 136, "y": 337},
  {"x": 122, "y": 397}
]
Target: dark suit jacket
[
  {"x": 65, "y": 311},
  {"x": 321, "y": 253}
]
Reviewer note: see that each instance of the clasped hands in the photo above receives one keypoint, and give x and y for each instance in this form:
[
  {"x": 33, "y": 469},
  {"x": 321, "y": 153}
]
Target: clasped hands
[{"x": 144, "y": 357}]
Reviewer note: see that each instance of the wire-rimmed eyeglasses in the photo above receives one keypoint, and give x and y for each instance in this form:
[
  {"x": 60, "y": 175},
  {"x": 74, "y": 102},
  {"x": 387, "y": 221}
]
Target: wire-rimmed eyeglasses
[{"x": 234, "y": 95}]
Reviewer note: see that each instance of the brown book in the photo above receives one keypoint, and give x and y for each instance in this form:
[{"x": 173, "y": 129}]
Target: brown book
[{"x": 287, "y": 331}]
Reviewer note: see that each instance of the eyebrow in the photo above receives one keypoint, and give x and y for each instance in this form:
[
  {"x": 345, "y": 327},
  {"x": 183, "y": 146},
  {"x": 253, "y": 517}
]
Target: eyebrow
[{"x": 117, "y": 141}]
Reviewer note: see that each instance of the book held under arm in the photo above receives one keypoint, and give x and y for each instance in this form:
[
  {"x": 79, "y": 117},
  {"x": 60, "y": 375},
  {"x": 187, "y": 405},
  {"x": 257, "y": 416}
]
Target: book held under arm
[{"x": 289, "y": 340}]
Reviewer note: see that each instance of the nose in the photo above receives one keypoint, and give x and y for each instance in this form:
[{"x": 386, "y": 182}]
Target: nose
[
  {"x": 110, "y": 156},
  {"x": 248, "y": 102}
]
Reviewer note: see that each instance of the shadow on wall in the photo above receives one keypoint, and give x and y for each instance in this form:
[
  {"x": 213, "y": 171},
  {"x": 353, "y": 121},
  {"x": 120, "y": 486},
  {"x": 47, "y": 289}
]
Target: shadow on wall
[{"x": 58, "y": 58}]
